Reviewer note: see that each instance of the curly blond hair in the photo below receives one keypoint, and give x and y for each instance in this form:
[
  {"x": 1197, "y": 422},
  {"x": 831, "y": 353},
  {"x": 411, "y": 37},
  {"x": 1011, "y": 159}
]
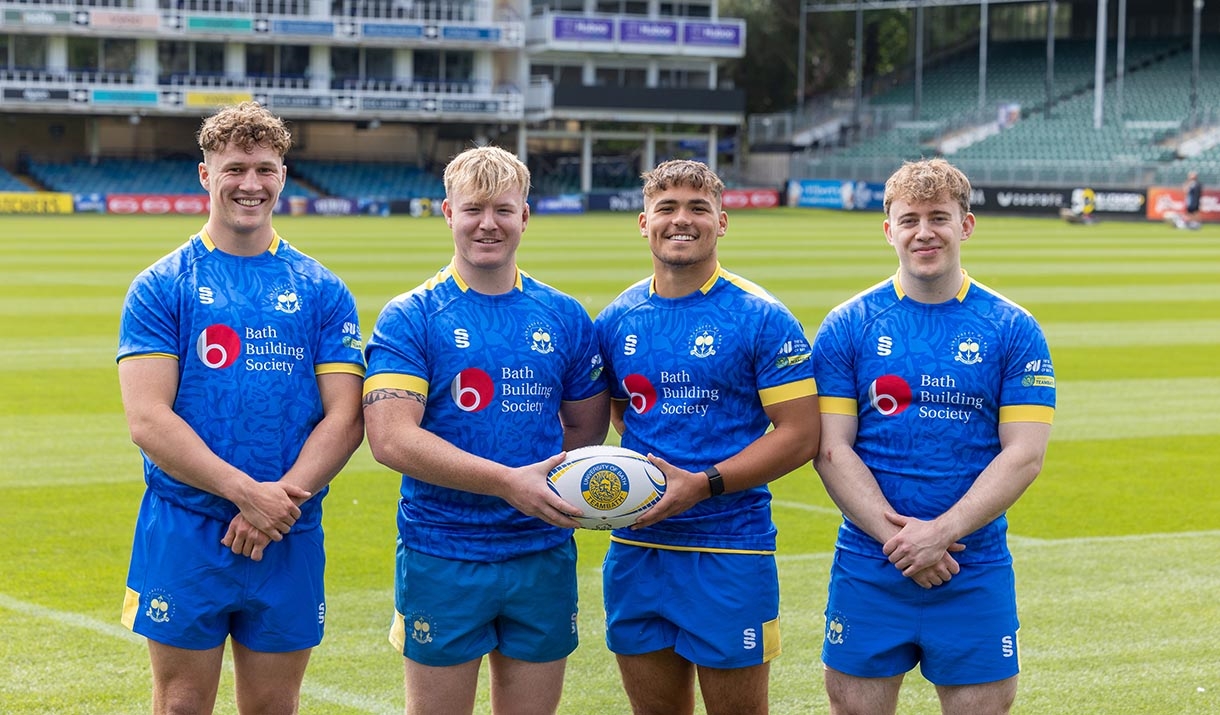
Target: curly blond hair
[
  {"x": 682, "y": 172},
  {"x": 245, "y": 125},
  {"x": 928, "y": 181},
  {"x": 485, "y": 172}
]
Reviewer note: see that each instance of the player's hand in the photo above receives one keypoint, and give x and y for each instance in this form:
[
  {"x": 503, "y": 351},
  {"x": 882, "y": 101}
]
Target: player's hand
[
  {"x": 918, "y": 545},
  {"x": 683, "y": 490},
  {"x": 244, "y": 539},
  {"x": 530, "y": 493},
  {"x": 938, "y": 573},
  {"x": 270, "y": 507}
]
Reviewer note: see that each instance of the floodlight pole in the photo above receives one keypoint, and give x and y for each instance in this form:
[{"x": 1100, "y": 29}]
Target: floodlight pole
[
  {"x": 800, "y": 68},
  {"x": 1194, "y": 63},
  {"x": 1099, "y": 70}
]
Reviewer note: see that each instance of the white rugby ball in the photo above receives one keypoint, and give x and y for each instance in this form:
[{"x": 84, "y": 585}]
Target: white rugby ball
[{"x": 612, "y": 486}]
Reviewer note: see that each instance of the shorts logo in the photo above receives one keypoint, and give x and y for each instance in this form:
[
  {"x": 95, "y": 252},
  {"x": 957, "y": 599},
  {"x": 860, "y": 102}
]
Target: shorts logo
[
  {"x": 472, "y": 390},
  {"x": 968, "y": 349},
  {"x": 836, "y": 629},
  {"x": 889, "y": 394},
  {"x": 640, "y": 392},
  {"x": 160, "y": 607},
  {"x": 421, "y": 630},
  {"x": 322, "y": 613},
  {"x": 540, "y": 339},
  {"x": 604, "y": 486},
  {"x": 1008, "y": 646},
  {"x": 218, "y": 346},
  {"x": 703, "y": 341},
  {"x": 287, "y": 302},
  {"x": 749, "y": 639}
]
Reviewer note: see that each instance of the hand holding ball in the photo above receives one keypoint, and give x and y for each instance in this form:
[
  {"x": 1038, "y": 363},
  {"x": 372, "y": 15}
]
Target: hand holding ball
[{"x": 612, "y": 486}]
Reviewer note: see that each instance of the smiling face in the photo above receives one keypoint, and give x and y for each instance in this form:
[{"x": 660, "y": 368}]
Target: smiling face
[
  {"x": 683, "y": 225},
  {"x": 927, "y": 235},
  {"x": 244, "y": 187},
  {"x": 486, "y": 234}
]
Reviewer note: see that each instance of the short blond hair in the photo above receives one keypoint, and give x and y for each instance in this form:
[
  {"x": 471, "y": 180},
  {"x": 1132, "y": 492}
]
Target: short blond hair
[
  {"x": 245, "y": 125},
  {"x": 682, "y": 172},
  {"x": 928, "y": 181},
  {"x": 485, "y": 172}
]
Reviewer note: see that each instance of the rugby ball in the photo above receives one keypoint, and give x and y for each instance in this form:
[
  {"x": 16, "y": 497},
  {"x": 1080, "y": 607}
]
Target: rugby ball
[{"x": 613, "y": 486}]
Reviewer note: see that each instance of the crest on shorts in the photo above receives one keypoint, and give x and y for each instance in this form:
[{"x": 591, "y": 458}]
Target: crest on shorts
[
  {"x": 159, "y": 607},
  {"x": 836, "y": 628},
  {"x": 421, "y": 629}
]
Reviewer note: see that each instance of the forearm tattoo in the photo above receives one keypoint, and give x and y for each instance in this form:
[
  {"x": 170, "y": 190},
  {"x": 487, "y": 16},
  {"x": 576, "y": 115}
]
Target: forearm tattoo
[{"x": 391, "y": 393}]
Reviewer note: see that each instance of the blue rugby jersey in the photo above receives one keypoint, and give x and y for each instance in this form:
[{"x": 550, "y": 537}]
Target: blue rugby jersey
[
  {"x": 251, "y": 335},
  {"x": 696, "y": 373},
  {"x": 930, "y": 385},
  {"x": 495, "y": 369}
]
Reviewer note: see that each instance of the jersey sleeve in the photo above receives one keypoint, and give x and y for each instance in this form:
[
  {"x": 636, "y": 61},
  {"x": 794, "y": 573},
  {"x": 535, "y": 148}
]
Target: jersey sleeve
[
  {"x": 149, "y": 325},
  {"x": 783, "y": 364},
  {"x": 834, "y": 366},
  {"x": 584, "y": 377},
  {"x": 1027, "y": 393},
  {"x": 397, "y": 351},
  {"x": 340, "y": 346}
]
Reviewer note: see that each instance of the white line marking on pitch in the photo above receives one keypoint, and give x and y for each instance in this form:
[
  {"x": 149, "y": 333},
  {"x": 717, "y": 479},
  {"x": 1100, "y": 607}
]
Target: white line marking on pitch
[{"x": 75, "y": 620}]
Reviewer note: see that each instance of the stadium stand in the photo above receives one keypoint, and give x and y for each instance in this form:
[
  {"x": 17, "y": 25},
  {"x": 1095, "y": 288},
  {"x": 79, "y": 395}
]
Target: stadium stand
[
  {"x": 130, "y": 176},
  {"x": 380, "y": 181},
  {"x": 8, "y": 182}
]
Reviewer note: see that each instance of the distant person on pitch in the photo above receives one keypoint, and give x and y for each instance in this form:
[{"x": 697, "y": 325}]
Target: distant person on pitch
[
  {"x": 1193, "y": 190},
  {"x": 702, "y": 363},
  {"x": 240, "y": 367},
  {"x": 478, "y": 381},
  {"x": 937, "y": 398}
]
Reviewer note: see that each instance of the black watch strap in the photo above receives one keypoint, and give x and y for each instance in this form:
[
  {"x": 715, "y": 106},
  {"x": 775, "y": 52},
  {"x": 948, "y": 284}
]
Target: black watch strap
[{"x": 714, "y": 481}]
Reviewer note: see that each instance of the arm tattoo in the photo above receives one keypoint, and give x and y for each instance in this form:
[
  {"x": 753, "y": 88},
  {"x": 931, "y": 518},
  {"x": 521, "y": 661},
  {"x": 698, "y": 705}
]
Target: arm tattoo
[{"x": 388, "y": 393}]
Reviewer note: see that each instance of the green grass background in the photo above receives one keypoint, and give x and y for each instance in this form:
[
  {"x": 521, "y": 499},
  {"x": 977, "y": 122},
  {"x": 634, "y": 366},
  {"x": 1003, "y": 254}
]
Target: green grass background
[{"x": 1116, "y": 543}]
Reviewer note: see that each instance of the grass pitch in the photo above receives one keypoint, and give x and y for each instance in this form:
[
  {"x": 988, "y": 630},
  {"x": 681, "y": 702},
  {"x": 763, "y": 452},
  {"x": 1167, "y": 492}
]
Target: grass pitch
[{"x": 1115, "y": 543}]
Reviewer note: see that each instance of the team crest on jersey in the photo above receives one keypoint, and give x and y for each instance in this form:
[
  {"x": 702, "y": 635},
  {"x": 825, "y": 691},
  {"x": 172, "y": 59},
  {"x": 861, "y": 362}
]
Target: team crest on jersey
[
  {"x": 969, "y": 349},
  {"x": 287, "y": 301},
  {"x": 540, "y": 338},
  {"x": 421, "y": 629},
  {"x": 703, "y": 341},
  {"x": 160, "y": 607}
]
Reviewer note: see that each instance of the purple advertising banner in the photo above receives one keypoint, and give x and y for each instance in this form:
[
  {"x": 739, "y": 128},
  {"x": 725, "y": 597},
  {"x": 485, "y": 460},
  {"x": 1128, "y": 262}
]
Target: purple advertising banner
[
  {"x": 645, "y": 31},
  {"x": 708, "y": 33},
  {"x": 584, "y": 29}
]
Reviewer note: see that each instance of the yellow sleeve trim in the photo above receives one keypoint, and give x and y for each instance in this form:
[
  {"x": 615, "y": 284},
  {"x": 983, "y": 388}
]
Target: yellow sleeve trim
[
  {"x": 347, "y": 368},
  {"x": 396, "y": 381},
  {"x": 838, "y": 406},
  {"x": 1027, "y": 413},
  {"x": 145, "y": 356},
  {"x": 700, "y": 549},
  {"x": 791, "y": 391}
]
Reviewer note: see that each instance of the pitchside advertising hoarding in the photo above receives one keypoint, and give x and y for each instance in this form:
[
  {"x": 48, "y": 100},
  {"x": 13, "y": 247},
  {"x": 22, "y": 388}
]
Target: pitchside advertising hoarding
[
  {"x": 633, "y": 201},
  {"x": 1081, "y": 201}
]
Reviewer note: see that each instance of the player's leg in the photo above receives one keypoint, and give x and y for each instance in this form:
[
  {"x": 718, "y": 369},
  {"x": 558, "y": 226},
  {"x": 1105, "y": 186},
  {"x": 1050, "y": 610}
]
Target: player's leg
[
  {"x": 519, "y": 687},
  {"x": 735, "y": 691},
  {"x": 981, "y": 699},
  {"x": 872, "y": 630},
  {"x": 537, "y": 631},
  {"x": 851, "y": 695},
  {"x": 268, "y": 683},
  {"x": 658, "y": 683},
  {"x": 184, "y": 681},
  {"x": 973, "y": 661},
  {"x": 440, "y": 690}
]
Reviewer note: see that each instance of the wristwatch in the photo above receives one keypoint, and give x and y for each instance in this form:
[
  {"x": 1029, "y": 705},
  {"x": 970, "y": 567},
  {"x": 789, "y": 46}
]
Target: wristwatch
[{"x": 714, "y": 481}]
